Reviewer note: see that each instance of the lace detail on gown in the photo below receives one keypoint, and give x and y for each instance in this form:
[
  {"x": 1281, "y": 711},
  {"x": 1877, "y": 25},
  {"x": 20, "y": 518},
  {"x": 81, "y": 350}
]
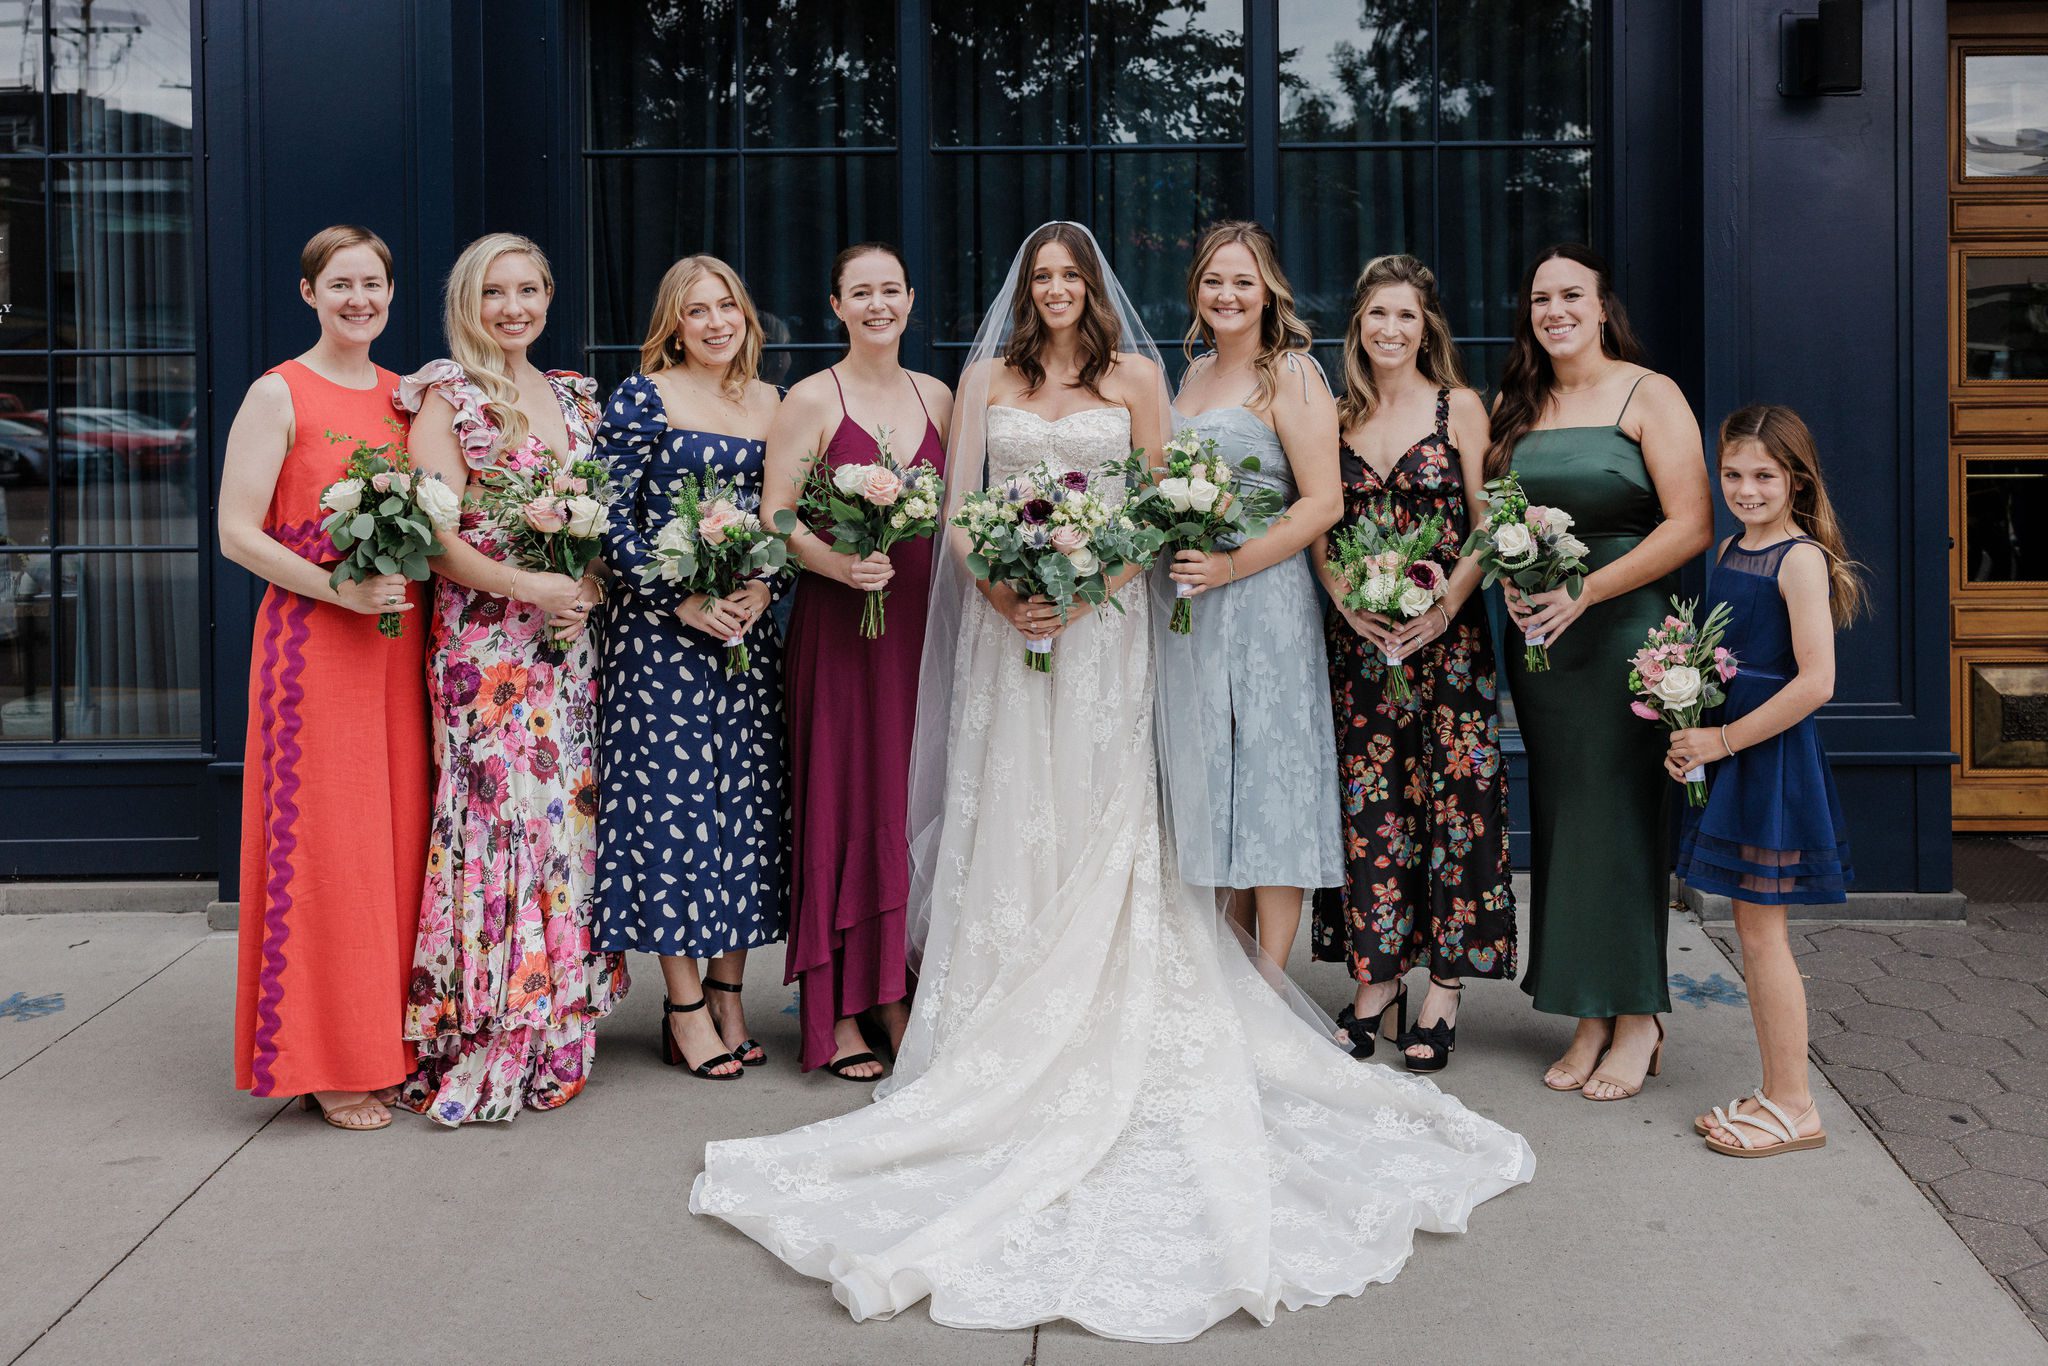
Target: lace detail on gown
[{"x": 1099, "y": 1112}]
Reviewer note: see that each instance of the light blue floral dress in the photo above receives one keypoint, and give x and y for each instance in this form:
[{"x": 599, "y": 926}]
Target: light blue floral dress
[{"x": 1258, "y": 681}]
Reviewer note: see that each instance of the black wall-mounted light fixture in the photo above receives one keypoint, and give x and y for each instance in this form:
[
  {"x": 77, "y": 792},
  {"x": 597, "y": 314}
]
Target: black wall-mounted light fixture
[{"x": 1821, "y": 54}]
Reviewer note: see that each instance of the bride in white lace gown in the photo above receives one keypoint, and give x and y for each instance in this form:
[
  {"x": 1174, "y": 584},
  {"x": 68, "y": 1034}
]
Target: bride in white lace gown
[{"x": 1102, "y": 1111}]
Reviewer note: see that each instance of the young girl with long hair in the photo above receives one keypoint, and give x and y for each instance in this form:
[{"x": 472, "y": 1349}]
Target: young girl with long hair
[{"x": 1771, "y": 834}]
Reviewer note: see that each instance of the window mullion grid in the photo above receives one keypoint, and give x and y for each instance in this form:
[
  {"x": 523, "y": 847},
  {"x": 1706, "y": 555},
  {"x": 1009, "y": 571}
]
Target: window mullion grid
[
  {"x": 1436, "y": 136},
  {"x": 51, "y": 311}
]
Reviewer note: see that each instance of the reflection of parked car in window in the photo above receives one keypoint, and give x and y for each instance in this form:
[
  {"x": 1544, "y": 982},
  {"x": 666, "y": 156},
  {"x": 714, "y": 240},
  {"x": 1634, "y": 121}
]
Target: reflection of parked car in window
[
  {"x": 140, "y": 440},
  {"x": 11, "y": 403},
  {"x": 25, "y": 453}
]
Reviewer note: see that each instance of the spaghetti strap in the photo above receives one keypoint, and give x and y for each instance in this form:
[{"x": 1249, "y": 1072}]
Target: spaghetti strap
[
  {"x": 913, "y": 389},
  {"x": 1631, "y": 396},
  {"x": 1443, "y": 412},
  {"x": 833, "y": 371}
]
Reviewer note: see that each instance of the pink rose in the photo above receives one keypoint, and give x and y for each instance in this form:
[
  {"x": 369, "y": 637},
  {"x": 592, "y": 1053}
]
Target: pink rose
[
  {"x": 381, "y": 482},
  {"x": 1068, "y": 539},
  {"x": 716, "y": 520},
  {"x": 882, "y": 487},
  {"x": 1651, "y": 670},
  {"x": 1644, "y": 710},
  {"x": 546, "y": 515},
  {"x": 1533, "y": 518}
]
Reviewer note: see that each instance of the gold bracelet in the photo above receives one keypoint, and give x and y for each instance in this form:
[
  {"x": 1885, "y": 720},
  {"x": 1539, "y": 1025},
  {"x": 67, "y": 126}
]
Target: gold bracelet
[
  {"x": 1724, "y": 742},
  {"x": 1442, "y": 613}
]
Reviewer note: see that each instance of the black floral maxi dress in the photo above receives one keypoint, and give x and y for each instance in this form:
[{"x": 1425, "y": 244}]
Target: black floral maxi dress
[{"x": 1423, "y": 783}]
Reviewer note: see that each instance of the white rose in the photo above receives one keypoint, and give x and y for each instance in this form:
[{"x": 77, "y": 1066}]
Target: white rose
[
  {"x": 848, "y": 479},
  {"x": 1679, "y": 687},
  {"x": 344, "y": 495},
  {"x": 676, "y": 535},
  {"x": 1202, "y": 495},
  {"x": 1382, "y": 588},
  {"x": 1513, "y": 541},
  {"x": 1571, "y": 546},
  {"x": 1415, "y": 600},
  {"x": 586, "y": 517},
  {"x": 439, "y": 502},
  {"x": 1084, "y": 561},
  {"x": 1556, "y": 521},
  {"x": 1176, "y": 492}
]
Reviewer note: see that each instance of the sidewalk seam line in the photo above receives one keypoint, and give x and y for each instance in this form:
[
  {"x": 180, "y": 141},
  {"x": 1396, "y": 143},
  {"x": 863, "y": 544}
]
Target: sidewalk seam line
[
  {"x": 168, "y": 1216},
  {"x": 103, "y": 1009}
]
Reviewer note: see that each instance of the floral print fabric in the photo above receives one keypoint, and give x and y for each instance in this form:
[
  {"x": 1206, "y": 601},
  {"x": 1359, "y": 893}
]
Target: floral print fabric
[
  {"x": 506, "y": 990},
  {"x": 1423, "y": 783}
]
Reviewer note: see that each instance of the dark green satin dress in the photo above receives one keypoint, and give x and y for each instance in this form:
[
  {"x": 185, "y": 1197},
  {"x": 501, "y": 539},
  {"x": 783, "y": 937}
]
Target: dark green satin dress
[{"x": 1599, "y": 865}]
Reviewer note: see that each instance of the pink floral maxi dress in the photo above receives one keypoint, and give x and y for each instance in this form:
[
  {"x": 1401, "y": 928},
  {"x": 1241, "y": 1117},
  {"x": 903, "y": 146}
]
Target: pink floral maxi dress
[{"x": 506, "y": 990}]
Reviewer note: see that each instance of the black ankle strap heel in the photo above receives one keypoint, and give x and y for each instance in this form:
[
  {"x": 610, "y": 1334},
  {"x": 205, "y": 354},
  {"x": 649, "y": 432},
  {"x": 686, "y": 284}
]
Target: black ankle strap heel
[
  {"x": 672, "y": 1052},
  {"x": 749, "y": 1052},
  {"x": 1439, "y": 1038}
]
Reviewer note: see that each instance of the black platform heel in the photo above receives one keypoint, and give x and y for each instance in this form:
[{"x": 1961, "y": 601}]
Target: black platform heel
[
  {"x": 672, "y": 1052},
  {"x": 1363, "y": 1037},
  {"x": 1439, "y": 1038},
  {"x": 744, "y": 1046}
]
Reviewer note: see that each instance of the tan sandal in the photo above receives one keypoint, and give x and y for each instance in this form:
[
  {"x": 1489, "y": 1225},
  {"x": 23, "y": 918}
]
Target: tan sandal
[
  {"x": 347, "y": 1116},
  {"x": 1775, "y": 1124},
  {"x": 1578, "y": 1081},
  {"x": 1629, "y": 1092},
  {"x": 1704, "y": 1124}
]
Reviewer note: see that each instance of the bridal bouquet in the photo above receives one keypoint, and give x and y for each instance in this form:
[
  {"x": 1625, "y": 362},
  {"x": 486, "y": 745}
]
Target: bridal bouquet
[
  {"x": 1052, "y": 533},
  {"x": 382, "y": 517},
  {"x": 866, "y": 508},
  {"x": 1391, "y": 573},
  {"x": 552, "y": 516},
  {"x": 1194, "y": 503},
  {"x": 1678, "y": 675},
  {"x": 713, "y": 544},
  {"x": 1531, "y": 547}
]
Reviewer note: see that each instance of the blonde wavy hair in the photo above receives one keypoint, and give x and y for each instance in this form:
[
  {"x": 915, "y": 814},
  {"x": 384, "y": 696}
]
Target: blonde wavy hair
[
  {"x": 1437, "y": 360},
  {"x": 469, "y": 342},
  {"x": 1281, "y": 330},
  {"x": 663, "y": 350}
]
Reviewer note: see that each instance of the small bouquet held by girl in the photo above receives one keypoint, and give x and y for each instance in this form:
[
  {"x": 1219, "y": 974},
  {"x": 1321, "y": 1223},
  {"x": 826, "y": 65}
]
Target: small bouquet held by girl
[
  {"x": 715, "y": 544},
  {"x": 552, "y": 516},
  {"x": 1194, "y": 504},
  {"x": 1051, "y": 533},
  {"x": 382, "y": 516},
  {"x": 1678, "y": 675},
  {"x": 868, "y": 508},
  {"x": 1531, "y": 547},
  {"x": 1391, "y": 573}
]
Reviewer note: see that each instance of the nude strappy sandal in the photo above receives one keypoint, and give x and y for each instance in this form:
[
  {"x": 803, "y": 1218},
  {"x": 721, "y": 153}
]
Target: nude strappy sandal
[
  {"x": 1774, "y": 1124},
  {"x": 1703, "y": 1124}
]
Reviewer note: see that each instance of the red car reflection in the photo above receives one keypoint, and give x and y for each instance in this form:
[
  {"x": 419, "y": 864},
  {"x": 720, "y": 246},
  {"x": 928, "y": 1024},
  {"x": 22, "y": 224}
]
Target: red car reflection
[{"x": 137, "y": 438}]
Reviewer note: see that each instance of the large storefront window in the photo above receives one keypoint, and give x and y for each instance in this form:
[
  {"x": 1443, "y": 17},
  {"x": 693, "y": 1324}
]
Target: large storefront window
[
  {"x": 99, "y": 454},
  {"x": 1456, "y": 130},
  {"x": 773, "y": 132}
]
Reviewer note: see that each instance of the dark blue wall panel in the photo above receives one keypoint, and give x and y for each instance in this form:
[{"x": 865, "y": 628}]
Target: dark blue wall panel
[{"x": 1821, "y": 286}]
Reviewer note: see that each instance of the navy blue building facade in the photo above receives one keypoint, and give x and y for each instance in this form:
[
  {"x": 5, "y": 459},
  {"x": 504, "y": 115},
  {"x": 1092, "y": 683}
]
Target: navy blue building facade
[{"x": 1769, "y": 247}]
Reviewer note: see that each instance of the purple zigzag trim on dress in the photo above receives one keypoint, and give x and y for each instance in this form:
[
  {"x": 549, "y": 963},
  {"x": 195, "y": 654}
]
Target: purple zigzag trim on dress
[
  {"x": 307, "y": 540},
  {"x": 281, "y": 758}
]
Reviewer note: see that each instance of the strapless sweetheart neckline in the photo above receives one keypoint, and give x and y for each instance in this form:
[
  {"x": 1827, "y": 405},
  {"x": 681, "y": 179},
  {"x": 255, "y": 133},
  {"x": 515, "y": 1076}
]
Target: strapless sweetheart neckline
[{"x": 1056, "y": 421}]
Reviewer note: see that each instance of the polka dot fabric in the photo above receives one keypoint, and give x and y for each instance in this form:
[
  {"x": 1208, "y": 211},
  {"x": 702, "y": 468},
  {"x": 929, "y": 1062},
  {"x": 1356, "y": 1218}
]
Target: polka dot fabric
[{"x": 691, "y": 857}]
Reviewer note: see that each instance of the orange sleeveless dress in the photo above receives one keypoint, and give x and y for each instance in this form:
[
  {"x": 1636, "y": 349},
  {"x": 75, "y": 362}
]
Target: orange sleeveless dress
[{"x": 335, "y": 792}]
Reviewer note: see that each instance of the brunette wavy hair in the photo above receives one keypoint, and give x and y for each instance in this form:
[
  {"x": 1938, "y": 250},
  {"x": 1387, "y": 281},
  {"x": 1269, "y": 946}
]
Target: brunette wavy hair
[
  {"x": 1527, "y": 379},
  {"x": 1438, "y": 358},
  {"x": 1101, "y": 333},
  {"x": 1281, "y": 330},
  {"x": 1783, "y": 436}
]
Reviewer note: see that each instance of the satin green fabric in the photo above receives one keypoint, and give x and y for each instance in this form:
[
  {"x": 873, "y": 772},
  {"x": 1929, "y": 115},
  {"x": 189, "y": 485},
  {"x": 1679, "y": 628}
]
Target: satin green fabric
[{"x": 1600, "y": 865}]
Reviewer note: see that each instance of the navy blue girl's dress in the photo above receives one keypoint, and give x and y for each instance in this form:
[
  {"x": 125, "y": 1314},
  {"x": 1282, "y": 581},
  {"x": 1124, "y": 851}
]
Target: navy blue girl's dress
[
  {"x": 691, "y": 858},
  {"x": 1771, "y": 832}
]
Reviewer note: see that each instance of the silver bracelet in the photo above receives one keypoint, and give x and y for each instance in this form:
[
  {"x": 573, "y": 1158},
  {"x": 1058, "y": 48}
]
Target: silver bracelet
[{"x": 1724, "y": 742}]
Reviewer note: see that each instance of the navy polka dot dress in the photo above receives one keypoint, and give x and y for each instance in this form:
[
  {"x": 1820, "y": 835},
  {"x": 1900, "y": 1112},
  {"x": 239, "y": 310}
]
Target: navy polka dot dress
[{"x": 691, "y": 860}]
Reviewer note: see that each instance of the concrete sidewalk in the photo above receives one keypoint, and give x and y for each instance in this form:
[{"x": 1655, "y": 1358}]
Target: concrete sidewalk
[{"x": 156, "y": 1215}]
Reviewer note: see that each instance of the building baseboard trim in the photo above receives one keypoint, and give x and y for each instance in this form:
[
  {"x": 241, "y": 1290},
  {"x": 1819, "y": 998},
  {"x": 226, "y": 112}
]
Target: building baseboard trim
[
  {"x": 174, "y": 897},
  {"x": 1950, "y": 906}
]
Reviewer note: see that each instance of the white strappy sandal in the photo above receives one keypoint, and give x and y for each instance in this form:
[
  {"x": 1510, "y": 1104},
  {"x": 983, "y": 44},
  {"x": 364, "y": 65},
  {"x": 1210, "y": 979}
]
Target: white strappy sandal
[
  {"x": 1773, "y": 1123},
  {"x": 1704, "y": 1125}
]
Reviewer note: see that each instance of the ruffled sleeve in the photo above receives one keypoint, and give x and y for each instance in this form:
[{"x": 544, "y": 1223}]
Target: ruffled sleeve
[
  {"x": 474, "y": 429},
  {"x": 626, "y": 440},
  {"x": 582, "y": 391}
]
